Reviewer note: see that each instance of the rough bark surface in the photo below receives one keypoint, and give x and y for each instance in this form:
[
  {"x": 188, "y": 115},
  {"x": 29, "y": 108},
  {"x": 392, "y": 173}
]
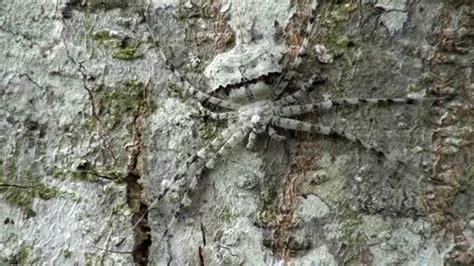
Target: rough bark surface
[{"x": 92, "y": 123}]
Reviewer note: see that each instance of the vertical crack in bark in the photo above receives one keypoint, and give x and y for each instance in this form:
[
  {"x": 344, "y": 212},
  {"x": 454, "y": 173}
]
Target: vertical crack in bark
[
  {"x": 201, "y": 256},
  {"x": 282, "y": 236},
  {"x": 141, "y": 230},
  {"x": 203, "y": 232},
  {"x": 135, "y": 199}
]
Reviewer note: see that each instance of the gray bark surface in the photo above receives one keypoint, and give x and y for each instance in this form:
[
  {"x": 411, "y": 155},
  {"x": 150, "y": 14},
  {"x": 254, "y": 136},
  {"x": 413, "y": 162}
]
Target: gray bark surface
[{"x": 93, "y": 125}]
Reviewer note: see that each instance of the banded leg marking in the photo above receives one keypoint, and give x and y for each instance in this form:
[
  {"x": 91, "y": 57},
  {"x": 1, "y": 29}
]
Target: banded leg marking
[
  {"x": 251, "y": 141},
  {"x": 304, "y": 108},
  {"x": 220, "y": 116},
  {"x": 235, "y": 139},
  {"x": 217, "y": 142},
  {"x": 309, "y": 127},
  {"x": 358, "y": 101},
  {"x": 200, "y": 96},
  {"x": 291, "y": 66},
  {"x": 298, "y": 125},
  {"x": 301, "y": 93}
]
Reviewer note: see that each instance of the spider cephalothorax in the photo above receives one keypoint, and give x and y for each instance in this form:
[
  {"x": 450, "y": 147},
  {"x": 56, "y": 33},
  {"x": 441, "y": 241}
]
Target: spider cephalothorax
[{"x": 256, "y": 116}]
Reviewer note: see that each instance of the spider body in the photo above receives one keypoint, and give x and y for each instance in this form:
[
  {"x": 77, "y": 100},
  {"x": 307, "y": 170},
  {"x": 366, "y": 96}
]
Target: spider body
[{"x": 256, "y": 116}]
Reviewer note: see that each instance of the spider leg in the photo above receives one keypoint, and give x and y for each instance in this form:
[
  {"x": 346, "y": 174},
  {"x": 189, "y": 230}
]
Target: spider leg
[
  {"x": 217, "y": 142},
  {"x": 252, "y": 140},
  {"x": 309, "y": 127},
  {"x": 220, "y": 116},
  {"x": 274, "y": 135},
  {"x": 231, "y": 142},
  {"x": 301, "y": 93},
  {"x": 291, "y": 66},
  {"x": 235, "y": 139},
  {"x": 200, "y": 96},
  {"x": 304, "y": 108}
]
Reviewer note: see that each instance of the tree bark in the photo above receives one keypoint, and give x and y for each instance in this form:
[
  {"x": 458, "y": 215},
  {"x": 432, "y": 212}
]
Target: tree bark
[{"x": 93, "y": 125}]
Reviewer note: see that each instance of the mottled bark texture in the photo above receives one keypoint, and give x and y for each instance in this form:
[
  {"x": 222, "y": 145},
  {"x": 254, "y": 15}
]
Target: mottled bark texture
[{"x": 92, "y": 123}]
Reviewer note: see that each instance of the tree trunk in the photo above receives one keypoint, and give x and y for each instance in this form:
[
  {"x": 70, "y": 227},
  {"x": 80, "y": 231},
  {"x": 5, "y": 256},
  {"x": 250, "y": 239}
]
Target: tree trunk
[{"x": 94, "y": 124}]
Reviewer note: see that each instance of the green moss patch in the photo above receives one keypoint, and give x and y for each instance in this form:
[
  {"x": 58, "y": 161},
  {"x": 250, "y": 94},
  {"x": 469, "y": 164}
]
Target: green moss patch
[
  {"x": 332, "y": 18},
  {"x": 22, "y": 196},
  {"x": 117, "y": 105},
  {"x": 21, "y": 257},
  {"x": 20, "y": 189},
  {"x": 268, "y": 214},
  {"x": 352, "y": 238},
  {"x": 121, "y": 47}
]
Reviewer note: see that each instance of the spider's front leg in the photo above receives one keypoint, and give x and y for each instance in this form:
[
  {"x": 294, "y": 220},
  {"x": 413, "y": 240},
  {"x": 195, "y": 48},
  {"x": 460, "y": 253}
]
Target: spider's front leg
[
  {"x": 253, "y": 137},
  {"x": 292, "y": 110},
  {"x": 292, "y": 63},
  {"x": 227, "y": 140},
  {"x": 217, "y": 142}
]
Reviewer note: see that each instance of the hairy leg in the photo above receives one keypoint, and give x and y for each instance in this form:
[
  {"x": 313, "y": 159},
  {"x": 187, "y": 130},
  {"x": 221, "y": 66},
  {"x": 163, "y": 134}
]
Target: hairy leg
[
  {"x": 200, "y": 96},
  {"x": 292, "y": 65},
  {"x": 252, "y": 140},
  {"x": 305, "y": 108},
  {"x": 301, "y": 93},
  {"x": 235, "y": 139},
  {"x": 217, "y": 142},
  {"x": 220, "y": 116},
  {"x": 236, "y": 136},
  {"x": 309, "y": 127}
]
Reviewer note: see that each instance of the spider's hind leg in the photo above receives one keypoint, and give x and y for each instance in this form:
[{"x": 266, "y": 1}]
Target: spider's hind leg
[
  {"x": 217, "y": 142},
  {"x": 309, "y": 127}
]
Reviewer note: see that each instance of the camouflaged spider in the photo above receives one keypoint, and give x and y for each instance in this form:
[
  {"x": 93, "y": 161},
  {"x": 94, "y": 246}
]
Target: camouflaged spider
[{"x": 253, "y": 106}]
